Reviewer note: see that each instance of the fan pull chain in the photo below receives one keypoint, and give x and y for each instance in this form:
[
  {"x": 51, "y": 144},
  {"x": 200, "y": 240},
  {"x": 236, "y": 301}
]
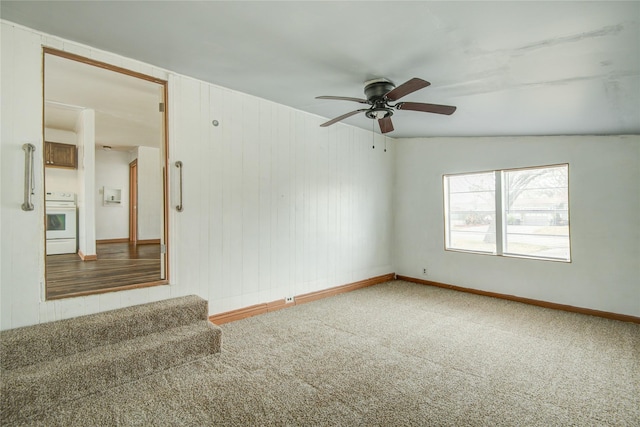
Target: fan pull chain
[
  {"x": 385, "y": 144},
  {"x": 373, "y": 133}
]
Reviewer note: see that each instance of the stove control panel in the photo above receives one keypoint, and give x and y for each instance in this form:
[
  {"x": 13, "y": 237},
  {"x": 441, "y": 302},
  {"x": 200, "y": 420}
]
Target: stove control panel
[{"x": 60, "y": 196}]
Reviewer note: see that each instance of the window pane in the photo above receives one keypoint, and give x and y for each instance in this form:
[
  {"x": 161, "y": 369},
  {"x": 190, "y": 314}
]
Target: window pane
[
  {"x": 536, "y": 212},
  {"x": 470, "y": 207}
]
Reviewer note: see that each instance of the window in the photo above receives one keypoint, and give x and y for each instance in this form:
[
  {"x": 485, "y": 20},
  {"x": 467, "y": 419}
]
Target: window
[
  {"x": 514, "y": 212},
  {"x": 471, "y": 209}
]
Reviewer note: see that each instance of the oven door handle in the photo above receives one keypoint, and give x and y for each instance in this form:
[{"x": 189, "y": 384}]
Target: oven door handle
[{"x": 29, "y": 184}]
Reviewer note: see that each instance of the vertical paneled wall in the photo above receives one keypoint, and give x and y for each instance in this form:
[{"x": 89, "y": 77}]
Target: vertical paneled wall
[
  {"x": 274, "y": 205},
  {"x": 21, "y": 264}
]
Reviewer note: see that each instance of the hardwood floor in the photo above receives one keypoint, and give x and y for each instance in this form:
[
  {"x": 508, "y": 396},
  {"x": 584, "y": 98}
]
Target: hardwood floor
[{"x": 119, "y": 265}]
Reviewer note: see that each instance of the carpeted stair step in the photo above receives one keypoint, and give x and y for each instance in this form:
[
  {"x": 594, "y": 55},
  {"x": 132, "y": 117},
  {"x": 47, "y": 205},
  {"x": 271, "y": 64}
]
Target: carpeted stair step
[
  {"x": 40, "y": 343},
  {"x": 30, "y": 390}
]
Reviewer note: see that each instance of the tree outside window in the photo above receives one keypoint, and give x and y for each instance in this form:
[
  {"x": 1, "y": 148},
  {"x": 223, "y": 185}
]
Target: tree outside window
[{"x": 514, "y": 212}]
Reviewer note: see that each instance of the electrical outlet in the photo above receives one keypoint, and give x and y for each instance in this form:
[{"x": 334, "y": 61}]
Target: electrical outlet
[
  {"x": 288, "y": 300},
  {"x": 424, "y": 271}
]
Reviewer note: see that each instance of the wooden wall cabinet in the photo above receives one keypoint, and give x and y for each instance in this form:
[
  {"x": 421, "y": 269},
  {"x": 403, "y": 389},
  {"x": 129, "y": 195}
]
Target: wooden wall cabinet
[{"x": 60, "y": 155}]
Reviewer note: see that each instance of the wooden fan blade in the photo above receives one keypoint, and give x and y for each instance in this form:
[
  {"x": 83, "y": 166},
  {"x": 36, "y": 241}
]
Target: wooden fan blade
[
  {"x": 344, "y": 98},
  {"x": 427, "y": 108},
  {"x": 342, "y": 117},
  {"x": 406, "y": 88},
  {"x": 386, "y": 125}
]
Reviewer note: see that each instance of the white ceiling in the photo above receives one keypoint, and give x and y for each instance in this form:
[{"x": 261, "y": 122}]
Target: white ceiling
[
  {"x": 511, "y": 68},
  {"x": 126, "y": 108}
]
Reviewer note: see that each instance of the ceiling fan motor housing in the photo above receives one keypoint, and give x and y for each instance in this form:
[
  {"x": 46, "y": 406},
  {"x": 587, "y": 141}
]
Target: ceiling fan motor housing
[{"x": 376, "y": 89}]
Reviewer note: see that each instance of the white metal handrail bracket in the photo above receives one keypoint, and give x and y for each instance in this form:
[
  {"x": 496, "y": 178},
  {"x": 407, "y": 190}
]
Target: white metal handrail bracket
[
  {"x": 179, "y": 208},
  {"x": 29, "y": 184}
]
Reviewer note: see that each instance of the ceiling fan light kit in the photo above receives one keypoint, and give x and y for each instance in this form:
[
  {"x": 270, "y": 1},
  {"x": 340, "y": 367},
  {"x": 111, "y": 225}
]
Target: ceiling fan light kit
[{"x": 380, "y": 94}]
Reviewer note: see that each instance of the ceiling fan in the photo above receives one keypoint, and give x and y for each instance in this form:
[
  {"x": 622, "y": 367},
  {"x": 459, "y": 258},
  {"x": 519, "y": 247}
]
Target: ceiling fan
[{"x": 380, "y": 94}]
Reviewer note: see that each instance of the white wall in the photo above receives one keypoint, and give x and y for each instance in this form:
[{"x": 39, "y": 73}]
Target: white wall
[
  {"x": 86, "y": 196},
  {"x": 274, "y": 204},
  {"x": 149, "y": 194},
  {"x": 604, "y": 197},
  {"x": 22, "y": 263},
  {"x": 112, "y": 171},
  {"x": 61, "y": 136},
  {"x": 61, "y": 179}
]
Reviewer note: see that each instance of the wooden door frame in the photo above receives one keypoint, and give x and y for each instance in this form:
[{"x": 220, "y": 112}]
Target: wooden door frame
[
  {"x": 133, "y": 201},
  {"x": 164, "y": 87}
]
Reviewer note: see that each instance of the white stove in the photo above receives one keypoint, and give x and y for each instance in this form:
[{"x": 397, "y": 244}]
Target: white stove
[{"x": 60, "y": 207}]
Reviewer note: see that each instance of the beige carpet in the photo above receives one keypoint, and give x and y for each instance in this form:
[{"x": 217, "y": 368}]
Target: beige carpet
[
  {"x": 395, "y": 354},
  {"x": 45, "y": 366}
]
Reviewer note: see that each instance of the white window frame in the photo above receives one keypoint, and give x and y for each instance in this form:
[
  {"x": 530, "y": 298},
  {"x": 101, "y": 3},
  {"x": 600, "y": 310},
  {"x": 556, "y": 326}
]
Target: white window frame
[{"x": 501, "y": 225}]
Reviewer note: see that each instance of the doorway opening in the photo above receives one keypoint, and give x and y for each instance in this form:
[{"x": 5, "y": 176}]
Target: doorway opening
[{"x": 111, "y": 124}]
